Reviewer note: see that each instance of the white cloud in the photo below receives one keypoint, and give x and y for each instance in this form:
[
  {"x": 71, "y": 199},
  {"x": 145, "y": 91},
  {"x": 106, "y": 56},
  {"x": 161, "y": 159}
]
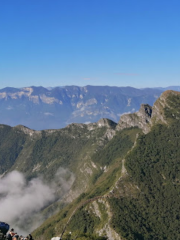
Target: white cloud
[
  {"x": 9, "y": 108},
  {"x": 21, "y": 200},
  {"x": 48, "y": 114}
]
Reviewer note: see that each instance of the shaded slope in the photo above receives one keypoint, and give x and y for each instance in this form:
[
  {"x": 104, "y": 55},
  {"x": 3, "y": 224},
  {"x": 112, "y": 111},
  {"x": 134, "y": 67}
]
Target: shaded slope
[{"x": 11, "y": 144}]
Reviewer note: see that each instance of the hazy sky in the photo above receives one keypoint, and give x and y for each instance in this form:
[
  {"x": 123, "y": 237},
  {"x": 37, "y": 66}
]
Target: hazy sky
[{"x": 89, "y": 42}]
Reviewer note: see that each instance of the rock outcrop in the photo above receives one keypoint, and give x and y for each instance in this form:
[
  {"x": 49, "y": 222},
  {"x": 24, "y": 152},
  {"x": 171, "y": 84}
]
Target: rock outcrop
[
  {"x": 147, "y": 116},
  {"x": 167, "y": 102},
  {"x": 141, "y": 119}
]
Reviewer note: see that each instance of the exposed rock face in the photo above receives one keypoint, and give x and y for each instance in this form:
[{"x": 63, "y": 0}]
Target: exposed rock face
[
  {"x": 27, "y": 130},
  {"x": 147, "y": 116},
  {"x": 104, "y": 122},
  {"x": 106, "y": 229},
  {"x": 140, "y": 119},
  {"x": 166, "y": 102}
]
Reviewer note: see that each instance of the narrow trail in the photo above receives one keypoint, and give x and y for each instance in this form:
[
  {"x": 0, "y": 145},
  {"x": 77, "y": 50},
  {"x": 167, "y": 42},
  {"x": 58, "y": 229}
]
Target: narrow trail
[
  {"x": 123, "y": 172},
  {"x": 79, "y": 206}
]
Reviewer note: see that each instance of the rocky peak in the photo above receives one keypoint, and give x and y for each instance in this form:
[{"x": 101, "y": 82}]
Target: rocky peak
[
  {"x": 166, "y": 106},
  {"x": 26, "y": 130},
  {"x": 104, "y": 122},
  {"x": 139, "y": 119}
]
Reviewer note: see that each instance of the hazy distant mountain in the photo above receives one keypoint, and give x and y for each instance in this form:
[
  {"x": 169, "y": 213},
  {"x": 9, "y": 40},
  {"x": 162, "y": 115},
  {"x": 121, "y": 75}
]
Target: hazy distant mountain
[
  {"x": 41, "y": 108},
  {"x": 175, "y": 88}
]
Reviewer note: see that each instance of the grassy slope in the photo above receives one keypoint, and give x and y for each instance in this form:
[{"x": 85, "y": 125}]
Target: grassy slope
[
  {"x": 70, "y": 148},
  {"x": 66, "y": 148},
  {"x": 153, "y": 165},
  {"x": 83, "y": 222},
  {"x": 152, "y": 211}
]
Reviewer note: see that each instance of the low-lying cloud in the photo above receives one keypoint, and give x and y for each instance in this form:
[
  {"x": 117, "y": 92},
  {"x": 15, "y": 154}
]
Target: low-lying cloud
[{"x": 21, "y": 200}]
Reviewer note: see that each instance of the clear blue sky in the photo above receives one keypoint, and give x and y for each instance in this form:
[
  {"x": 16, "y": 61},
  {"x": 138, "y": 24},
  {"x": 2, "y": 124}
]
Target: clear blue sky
[{"x": 89, "y": 42}]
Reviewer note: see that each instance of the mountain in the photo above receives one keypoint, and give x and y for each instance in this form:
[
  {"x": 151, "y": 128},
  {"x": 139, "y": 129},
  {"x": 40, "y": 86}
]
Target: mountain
[
  {"x": 137, "y": 196},
  {"x": 53, "y": 108},
  {"x": 122, "y": 179},
  {"x": 175, "y": 88},
  {"x": 62, "y": 158}
]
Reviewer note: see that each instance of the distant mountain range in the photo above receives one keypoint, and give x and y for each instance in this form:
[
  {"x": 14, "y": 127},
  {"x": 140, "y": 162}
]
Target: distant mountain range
[
  {"x": 96, "y": 181},
  {"x": 53, "y": 108}
]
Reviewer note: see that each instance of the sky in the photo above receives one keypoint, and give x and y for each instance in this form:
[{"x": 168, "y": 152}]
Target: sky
[{"x": 89, "y": 42}]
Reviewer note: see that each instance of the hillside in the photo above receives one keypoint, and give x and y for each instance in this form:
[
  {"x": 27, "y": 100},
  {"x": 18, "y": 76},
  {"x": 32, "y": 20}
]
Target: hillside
[
  {"x": 123, "y": 179},
  {"x": 141, "y": 200}
]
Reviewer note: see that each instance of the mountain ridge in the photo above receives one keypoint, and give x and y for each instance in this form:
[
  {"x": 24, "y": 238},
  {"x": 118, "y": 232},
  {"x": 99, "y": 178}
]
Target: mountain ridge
[
  {"x": 119, "y": 168},
  {"x": 41, "y": 108},
  {"x": 127, "y": 192}
]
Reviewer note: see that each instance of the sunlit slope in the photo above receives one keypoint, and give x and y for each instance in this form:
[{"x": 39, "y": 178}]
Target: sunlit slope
[
  {"x": 111, "y": 160},
  {"x": 137, "y": 197},
  {"x": 154, "y": 166},
  {"x": 43, "y": 152}
]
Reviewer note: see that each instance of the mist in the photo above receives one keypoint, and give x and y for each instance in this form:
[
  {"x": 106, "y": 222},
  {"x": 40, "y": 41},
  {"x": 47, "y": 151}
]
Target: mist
[{"x": 21, "y": 201}]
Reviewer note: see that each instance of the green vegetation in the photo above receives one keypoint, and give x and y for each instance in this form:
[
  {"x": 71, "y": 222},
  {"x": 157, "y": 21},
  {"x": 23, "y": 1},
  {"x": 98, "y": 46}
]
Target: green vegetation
[
  {"x": 154, "y": 165},
  {"x": 83, "y": 222},
  {"x": 172, "y": 111},
  {"x": 11, "y": 144},
  {"x": 117, "y": 147},
  {"x": 106, "y": 181},
  {"x": 144, "y": 202},
  {"x": 48, "y": 150},
  {"x": 83, "y": 236}
]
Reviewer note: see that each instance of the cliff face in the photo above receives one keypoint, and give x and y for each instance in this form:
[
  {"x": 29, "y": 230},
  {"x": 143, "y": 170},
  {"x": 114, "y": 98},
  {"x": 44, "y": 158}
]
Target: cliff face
[
  {"x": 140, "y": 119},
  {"x": 163, "y": 111},
  {"x": 166, "y": 108}
]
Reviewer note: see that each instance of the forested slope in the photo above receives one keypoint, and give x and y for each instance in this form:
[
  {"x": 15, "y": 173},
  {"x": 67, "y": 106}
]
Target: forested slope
[
  {"x": 141, "y": 201},
  {"x": 126, "y": 176}
]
